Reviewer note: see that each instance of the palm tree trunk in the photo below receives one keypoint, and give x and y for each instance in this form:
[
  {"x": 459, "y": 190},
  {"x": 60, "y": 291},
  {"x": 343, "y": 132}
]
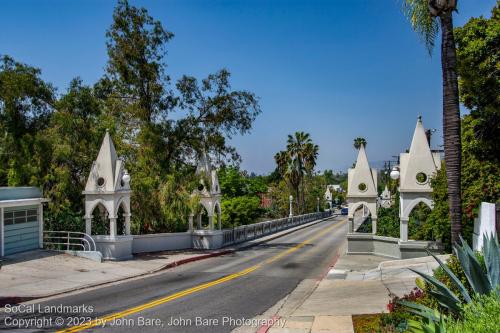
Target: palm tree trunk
[{"x": 451, "y": 124}]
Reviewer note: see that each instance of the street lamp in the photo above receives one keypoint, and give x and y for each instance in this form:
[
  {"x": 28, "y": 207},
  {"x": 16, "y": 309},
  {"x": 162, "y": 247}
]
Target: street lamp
[
  {"x": 395, "y": 173},
  {"x": 291, "y": 199},
  {"x": 126, "y": 177}
]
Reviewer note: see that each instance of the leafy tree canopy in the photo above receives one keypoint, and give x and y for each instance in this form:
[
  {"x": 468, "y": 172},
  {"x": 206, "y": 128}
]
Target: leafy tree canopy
[{"x": 478, "y": 55}]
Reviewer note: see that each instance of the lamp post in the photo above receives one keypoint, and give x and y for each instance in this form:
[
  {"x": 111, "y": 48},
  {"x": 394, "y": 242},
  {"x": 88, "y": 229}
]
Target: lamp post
[
  {"x": 291, "y": 212},
  {"x": 395, "y": 173}
]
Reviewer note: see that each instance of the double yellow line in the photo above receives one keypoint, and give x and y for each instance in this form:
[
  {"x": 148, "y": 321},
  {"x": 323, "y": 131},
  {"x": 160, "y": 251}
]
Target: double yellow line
[{"x": 109, "y": 318}]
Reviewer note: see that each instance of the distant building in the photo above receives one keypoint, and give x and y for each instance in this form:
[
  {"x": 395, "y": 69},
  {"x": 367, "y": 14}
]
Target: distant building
[{"x": 335, "y": 188}]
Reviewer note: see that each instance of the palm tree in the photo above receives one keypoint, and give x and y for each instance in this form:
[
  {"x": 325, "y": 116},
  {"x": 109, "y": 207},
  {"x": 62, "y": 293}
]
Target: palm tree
[
  {"x": 296, "y": 161},
  {"x": 426, "y": 17},
  {"x": 358, "y": 142}
]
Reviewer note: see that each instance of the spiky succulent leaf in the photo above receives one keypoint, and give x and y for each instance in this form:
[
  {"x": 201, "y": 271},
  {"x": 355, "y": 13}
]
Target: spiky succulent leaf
[
  {"x": 421, "y": 310},
  {"x": 475, "y": 274},
  {"x": 453, "y": 278},
  {"x": 491, "y": 252},
  {"x": 446, "y": 301},
  {"x": 441, "y": 289}
]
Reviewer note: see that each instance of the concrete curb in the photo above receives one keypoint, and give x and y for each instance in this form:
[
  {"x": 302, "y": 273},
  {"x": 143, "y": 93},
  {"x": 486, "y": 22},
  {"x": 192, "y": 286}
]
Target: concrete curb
[{"x": 21, "y": 299}]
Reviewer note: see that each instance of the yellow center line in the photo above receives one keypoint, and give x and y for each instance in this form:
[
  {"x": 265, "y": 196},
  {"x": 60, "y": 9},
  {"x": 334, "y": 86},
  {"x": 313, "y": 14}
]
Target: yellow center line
[{"x": 103, "y": 320}]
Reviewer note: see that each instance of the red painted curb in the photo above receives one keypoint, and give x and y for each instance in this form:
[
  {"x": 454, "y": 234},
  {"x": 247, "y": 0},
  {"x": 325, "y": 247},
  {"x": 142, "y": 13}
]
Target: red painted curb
[
  {"x": 265, "y": 328},
  {"x": 330, "y": 266}
]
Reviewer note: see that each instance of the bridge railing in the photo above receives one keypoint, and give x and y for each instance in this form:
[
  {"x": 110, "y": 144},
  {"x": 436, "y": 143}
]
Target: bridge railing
[
  {"x": 68, "y": 240},
  {"x": 252, "y": 231}
]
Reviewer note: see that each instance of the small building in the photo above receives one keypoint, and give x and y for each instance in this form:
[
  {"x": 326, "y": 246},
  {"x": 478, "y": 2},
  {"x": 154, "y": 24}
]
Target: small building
[
  {"x": 335, "y": 188},
  {"x": 21, "y": 219}
]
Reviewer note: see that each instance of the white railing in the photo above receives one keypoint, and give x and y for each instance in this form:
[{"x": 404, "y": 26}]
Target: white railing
[
  {"x": 68, "y": 240},
  {"x": 252, "y": 231}
]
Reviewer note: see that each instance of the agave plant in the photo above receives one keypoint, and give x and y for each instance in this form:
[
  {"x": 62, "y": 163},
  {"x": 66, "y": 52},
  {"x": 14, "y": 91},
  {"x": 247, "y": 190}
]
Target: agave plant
[{"x": 481, "y": 281}]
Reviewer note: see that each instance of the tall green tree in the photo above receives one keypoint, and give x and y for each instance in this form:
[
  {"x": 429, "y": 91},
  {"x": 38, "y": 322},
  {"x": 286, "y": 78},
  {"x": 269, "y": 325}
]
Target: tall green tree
[
  {"x": 427, "y": 17},
  {"x": 478, "y": 54},
  {"x": 215, "y": 113},
  {"x": 136, "y": 44},
  {"x": 26, "y": 103},
  {"x": 297, "y": 162}
]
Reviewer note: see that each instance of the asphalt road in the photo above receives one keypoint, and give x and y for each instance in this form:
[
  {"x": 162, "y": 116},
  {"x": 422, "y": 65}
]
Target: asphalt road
[{"x": 211, "y": 295}]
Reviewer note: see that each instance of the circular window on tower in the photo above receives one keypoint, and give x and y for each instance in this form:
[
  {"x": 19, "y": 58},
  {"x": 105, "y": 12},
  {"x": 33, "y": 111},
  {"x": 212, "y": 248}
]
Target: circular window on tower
[
  {"x": 100, "y": 182},
  {"x": 421, "y": 178},
  {"x": 362, "y": 187}
]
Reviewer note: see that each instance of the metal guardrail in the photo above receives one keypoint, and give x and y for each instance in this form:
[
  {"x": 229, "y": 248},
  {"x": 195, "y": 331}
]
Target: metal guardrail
[
  {"x": 252, "y": 231},
  {"x": 68, "y": 240}
]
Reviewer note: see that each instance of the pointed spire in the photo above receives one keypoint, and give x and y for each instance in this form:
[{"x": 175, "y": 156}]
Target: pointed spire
[
  {"x": 203, "y": 164},
  {"x": 419, "y": 160},
  {"x": 362, "y": 160},
  {"x": 205, "y": 167},
  {"x": 362, "y": 179},
  {"x": 102, "y": 174}
]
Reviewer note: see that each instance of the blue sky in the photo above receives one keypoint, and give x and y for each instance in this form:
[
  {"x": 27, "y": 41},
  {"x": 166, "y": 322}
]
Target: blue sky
[{"x": 338, "y": 69}]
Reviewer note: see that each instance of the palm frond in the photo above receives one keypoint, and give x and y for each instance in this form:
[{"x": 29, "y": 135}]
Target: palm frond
[{"x": 422, "y": 21}]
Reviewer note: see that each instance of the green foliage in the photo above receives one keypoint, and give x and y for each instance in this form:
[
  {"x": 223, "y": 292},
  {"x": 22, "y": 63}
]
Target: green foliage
[
  {"x": 388, "y": 220},
  {"x": 50, "y": 142},
  {"x": 422, "y": 21},
  {"x": 480, "y": 182},
  {"x": 478, "y": 56},
  {"x": 297, "y": 162},
  {"x": 240, "y": 203},
  {"x": 235, "y": 183},
  {"x": 136, "y": 47},
  {"x": 482, "y": 282},
  {"x": 455, "y": 267},
  {"x": 479, "y": 316},
  {"x": 334, "y": 178},
  {"x": 240, "y": 211},
  {"x": 358, "y": 142},
  {"x": 418, "y": 228},
  {"x": 26, "y": 102},
  {"x": 280, "y": 194}
]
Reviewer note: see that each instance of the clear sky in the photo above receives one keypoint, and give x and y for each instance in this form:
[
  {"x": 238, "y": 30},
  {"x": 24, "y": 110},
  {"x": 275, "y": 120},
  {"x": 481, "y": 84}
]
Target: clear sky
[{"x": 338, "y": 69}]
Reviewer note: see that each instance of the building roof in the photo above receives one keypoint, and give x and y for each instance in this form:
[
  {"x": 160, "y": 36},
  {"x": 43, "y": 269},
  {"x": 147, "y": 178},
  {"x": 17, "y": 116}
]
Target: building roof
[{"x": 19, "y": 193}]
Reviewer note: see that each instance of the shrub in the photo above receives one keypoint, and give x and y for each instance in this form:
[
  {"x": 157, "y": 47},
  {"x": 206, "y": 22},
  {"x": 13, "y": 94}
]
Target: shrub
[
  {"x": 240, "y": 210},
  {"x": 480, "y": 316},
  {"x": 397, "y": 318},
  {"x": 388, "y": 221},
  {"x": 483, "y": 277}
]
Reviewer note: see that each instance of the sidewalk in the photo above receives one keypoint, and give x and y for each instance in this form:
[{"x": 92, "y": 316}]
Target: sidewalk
[
  {"x": 44, "y": 273},
  {"x": 357, "y": 284}
]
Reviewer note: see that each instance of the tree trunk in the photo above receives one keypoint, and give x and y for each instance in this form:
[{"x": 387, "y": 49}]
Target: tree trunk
[{"x": 451, "y": 124}]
